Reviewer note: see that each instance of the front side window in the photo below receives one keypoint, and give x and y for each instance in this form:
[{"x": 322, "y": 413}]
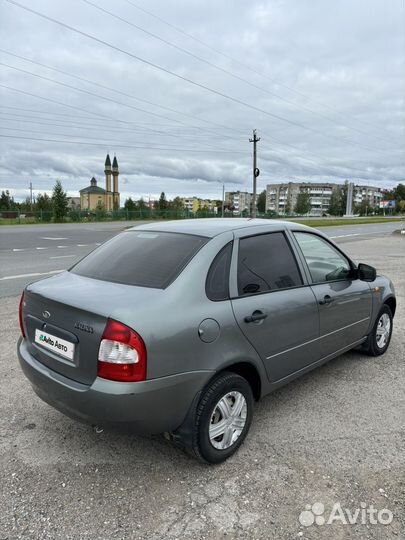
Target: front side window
[
  {"x": 325, "y": 263},
  {"x": 266, "y": 263}
]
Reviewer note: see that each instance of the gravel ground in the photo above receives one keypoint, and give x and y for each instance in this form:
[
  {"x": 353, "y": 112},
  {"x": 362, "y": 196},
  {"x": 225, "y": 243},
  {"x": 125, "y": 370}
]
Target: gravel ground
[{"x": 334, "y": 436}]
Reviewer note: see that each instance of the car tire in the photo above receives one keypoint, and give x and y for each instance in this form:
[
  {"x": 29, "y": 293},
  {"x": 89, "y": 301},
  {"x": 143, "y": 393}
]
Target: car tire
[
  {"x": 225, "y": 409},
  {"x": 380, "y": 336}
]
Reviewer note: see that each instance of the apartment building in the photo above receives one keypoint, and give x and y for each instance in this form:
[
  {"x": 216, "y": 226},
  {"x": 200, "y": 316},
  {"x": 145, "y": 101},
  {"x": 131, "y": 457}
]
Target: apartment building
[
  {"x": 281, "y": 198},
  {"x": 371, "y": 195},
  {"x": 239, "y": 201}
]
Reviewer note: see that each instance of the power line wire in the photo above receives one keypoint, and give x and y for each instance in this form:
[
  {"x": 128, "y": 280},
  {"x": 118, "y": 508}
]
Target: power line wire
[
  {"x": 138, "y": 123},
  {"x": 2, "y": 106},
  {"x": 32, "y": 119},
  {"x": 115, "y": 90},
  {"x": 25, "y": 130},
  {"x": 54, "y": 101},
  {"x": 77, "y": 89},
  {"x": 300, "y": 150},
  {"x": 219, "y": 151},
  {"x": 170, "y": 149},
  {"x": 69, "y": 86},
  {"x": 122, "y": 121},
  {"x": 122, "y": 145},
  {"x": 244, "y": 65},
  {"x": 101, "y": 97},
  {"x": 183, "y": 78},
  {"x": 75, "y": 125},
  {"x": 229, "y": 73}
]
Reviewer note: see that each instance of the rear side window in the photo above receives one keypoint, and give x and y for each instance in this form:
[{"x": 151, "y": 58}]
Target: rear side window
[
  {"x": 217, "y": 284},
  {"x": 144, "y": 258},
  {"x": 266, "y": 263}
]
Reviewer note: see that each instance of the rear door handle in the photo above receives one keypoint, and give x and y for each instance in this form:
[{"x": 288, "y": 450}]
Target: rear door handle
[
  {"x": 326, "y": 300},
  {"x": 256, "y": 316}
]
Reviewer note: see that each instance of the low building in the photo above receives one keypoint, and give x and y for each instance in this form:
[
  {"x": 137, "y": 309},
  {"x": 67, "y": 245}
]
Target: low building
[
  {"x": 92, "y": 196},
  {"x": 193, "y": 204}
]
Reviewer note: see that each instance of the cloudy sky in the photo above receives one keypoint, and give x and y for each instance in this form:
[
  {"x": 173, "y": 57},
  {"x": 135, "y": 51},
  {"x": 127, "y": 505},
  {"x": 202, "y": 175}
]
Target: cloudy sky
[{"x": 174, "y": 89}]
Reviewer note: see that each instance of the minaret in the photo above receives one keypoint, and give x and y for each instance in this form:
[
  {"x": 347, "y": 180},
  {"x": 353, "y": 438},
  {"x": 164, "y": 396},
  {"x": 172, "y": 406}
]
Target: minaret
[
  {"x": 107, "y": 170},
  {"x": 116, "y": 194}
]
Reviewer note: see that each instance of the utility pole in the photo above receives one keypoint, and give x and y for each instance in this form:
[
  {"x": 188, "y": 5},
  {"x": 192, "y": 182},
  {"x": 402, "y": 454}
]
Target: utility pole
[
  {"x": 31, "y": 196},
  {"x": 223, "y": 200},
  {"x": 256, "y": 171}
]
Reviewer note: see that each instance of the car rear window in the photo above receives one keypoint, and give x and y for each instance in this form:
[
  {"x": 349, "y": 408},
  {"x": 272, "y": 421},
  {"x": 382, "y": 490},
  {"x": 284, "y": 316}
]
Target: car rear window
[{"x": 144, "y": 258}]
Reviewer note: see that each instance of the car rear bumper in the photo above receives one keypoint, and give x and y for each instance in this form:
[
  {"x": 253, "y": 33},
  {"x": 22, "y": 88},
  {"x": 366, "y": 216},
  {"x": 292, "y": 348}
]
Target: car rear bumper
[{"x": 151, "y": 406}]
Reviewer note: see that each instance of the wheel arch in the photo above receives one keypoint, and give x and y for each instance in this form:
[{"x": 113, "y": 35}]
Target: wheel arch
[
  {"x": 248, "y": 371},
  {"x": 391, "y": 303}
]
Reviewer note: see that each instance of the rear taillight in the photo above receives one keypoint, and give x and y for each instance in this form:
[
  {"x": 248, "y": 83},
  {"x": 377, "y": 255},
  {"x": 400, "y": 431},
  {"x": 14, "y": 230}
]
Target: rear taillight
[
  {"x": 20, "y": 315},
  {"x": 122, "y": 354}
]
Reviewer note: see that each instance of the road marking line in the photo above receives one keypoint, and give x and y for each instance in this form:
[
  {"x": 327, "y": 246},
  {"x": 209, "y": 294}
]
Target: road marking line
[
  {"x": 32, "y": 275},
  {"x": 82, "y": 245},
  {"x": 62, "y": 256},
  {"x": 18, "y": 249},
  {"x": 53, "y": 238},
  {"x": 41, "y": 248},
  {"x": 98, "y": 243},
  {"x": 62, "y": 247}
]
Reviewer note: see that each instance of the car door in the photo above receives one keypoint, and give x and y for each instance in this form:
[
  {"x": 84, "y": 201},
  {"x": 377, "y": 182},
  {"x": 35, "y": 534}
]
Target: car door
[
  {"x": 273, "y": 305},
  {"x": 344, "y": 301}
]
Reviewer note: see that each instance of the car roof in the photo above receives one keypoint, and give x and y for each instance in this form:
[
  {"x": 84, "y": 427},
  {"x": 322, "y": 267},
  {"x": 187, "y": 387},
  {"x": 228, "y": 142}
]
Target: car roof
[{"x": 211, "y": 227}]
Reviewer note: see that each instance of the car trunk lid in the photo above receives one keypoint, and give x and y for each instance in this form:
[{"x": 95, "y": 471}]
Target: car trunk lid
[{"x": 65, "y": 317}]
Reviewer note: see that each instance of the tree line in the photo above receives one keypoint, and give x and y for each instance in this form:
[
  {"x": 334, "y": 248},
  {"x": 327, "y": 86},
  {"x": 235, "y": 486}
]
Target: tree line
[
  {"x": 54, "y": 207},
  {"x": 161, "y": 204}
]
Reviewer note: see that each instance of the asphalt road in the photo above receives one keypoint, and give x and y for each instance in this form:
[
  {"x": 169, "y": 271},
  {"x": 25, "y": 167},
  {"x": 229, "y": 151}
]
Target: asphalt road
[
  {"x": 335, "y": 436},
  {"x": 36, "y": 251}
]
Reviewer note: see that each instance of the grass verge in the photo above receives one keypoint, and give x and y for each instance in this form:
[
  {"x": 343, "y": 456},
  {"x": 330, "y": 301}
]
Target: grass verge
[{"x": 343, "y": 221}]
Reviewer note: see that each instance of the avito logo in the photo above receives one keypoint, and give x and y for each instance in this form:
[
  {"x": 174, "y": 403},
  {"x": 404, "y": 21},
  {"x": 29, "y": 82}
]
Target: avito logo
[
  {"x": 46, "y": 339},
  {"x": 366, "y": 514}
]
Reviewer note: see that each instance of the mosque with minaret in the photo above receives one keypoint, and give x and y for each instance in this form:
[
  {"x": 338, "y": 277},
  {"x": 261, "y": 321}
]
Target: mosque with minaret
[{"x": 94, "y": 196}]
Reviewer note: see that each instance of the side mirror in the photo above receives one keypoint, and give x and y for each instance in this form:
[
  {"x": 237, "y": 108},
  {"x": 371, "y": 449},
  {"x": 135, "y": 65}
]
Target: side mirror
[{"x": 366, "y": 272}]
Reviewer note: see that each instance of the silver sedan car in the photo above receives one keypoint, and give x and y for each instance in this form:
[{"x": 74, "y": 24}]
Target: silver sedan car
[{"x": 179, "y": 327}]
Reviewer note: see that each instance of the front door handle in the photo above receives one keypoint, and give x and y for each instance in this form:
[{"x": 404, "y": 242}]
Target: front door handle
[
  {"x": 326, "y": 300},
  {"x": 256, "y": 316}
]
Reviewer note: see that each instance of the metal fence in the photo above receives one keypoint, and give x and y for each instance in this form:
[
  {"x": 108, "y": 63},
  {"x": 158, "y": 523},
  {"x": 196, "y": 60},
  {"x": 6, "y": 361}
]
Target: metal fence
[{"x": 75, "y": 215}]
